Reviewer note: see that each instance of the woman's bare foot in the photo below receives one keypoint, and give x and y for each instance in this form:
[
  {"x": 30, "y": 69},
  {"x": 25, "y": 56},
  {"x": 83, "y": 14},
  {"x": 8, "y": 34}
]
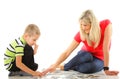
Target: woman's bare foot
[{"x": 61, "y": 67}]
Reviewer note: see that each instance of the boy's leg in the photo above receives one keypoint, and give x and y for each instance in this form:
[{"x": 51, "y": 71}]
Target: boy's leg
[
  {"x": 22, "y": 73},
  {"x": 19, "y": 73},
  {"x": 14, "y": 70},
  {"x": 14, "y": 73},
  {"x": 80, "y": 58}
]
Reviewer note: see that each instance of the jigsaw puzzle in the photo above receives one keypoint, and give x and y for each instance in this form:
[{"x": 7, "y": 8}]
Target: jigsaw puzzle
[{"x": 68, "y": 75}]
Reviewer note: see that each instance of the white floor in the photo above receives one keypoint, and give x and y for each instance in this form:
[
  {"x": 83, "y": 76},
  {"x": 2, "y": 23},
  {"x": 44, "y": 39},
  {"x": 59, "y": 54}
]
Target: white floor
[
  {"x": 112, "y": 77},
  {"x": 69, "y": 75}
]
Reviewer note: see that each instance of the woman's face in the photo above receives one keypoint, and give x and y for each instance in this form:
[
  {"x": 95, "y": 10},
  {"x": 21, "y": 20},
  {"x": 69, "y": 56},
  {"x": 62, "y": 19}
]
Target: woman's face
[{"x": 85, "y": 26}]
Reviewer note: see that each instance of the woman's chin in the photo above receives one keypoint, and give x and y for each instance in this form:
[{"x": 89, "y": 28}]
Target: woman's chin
[{"x": 86, "y": 32}]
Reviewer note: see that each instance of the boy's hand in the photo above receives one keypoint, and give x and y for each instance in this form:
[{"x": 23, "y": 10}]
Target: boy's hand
[
  {"x": 37, "y": 73},
  {"x": 35, "y": 48}
]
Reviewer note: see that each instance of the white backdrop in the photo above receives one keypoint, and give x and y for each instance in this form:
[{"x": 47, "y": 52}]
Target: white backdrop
[{"x": 58, "y": 22}]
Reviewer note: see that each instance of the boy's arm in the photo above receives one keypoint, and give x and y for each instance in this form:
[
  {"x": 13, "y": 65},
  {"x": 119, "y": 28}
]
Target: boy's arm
[{"x": 23, "y": 67}]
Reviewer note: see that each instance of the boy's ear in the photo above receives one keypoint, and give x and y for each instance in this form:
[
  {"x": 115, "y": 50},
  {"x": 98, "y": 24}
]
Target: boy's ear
[{"x": 26, "y": 35}]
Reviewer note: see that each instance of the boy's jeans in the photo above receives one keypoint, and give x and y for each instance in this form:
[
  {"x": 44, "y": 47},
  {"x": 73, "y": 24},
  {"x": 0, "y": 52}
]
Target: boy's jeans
[{"x": 84, "y": 62}]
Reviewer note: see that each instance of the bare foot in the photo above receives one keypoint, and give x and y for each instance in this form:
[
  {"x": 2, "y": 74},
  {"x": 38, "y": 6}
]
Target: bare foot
[{"x": 61, "y": 67}]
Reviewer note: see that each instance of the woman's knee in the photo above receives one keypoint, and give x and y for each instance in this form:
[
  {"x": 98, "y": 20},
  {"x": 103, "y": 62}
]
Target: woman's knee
[{"x": 85, "y": 56}]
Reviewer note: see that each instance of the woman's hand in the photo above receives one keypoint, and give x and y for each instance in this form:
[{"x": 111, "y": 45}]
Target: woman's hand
[
  {"x": 50, "y": 69},
  {"x": 111, "y": 72}
]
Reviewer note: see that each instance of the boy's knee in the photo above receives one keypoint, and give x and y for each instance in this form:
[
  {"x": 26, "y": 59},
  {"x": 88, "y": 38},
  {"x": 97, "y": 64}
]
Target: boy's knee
[{"x": 35, "y": 66}]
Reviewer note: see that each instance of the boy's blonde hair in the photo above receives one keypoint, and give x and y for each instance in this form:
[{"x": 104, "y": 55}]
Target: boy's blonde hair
[
  {"x": 32, "y": 29},
  {"x": 94, "y": 35}
]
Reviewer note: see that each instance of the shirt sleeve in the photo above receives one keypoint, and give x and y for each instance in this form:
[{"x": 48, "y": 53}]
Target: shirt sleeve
[
  {"x": 19, "y": 50},
  {"x": 104, "y": 23},
  {"x": 77, "y": 37}
]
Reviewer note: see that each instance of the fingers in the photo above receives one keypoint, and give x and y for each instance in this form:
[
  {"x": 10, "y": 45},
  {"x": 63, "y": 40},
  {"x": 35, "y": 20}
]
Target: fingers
[
  {"x": 112, "y": 73},
  {"x": 116, "y": 72},
  {"x": 47, "y": 71},
  {"x": 35, "y": 45},
  {"x": 44, "y": 72}
]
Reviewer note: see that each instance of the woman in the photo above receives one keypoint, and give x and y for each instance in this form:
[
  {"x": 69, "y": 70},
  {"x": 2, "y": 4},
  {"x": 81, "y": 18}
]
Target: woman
[{"x": 94, "y": 55}]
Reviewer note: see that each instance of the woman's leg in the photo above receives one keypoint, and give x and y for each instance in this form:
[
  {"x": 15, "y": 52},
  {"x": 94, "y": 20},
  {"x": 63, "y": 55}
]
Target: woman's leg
[
  {"x": 90, "y": 67},
  {"x": 81, "y": 57}
]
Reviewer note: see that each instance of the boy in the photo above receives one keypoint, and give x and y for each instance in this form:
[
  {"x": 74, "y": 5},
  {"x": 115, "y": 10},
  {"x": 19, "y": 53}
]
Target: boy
[{"x": 19, "y": 59}]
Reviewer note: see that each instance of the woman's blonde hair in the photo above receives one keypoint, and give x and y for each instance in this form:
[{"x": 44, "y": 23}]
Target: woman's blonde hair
[
  {"x": 94, "y": 35},
  {"x": 32, "y": 29}
]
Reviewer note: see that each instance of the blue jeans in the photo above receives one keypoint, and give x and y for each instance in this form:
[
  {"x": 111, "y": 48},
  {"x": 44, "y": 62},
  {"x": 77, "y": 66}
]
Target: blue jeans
[{"x": 84, "y": 62}]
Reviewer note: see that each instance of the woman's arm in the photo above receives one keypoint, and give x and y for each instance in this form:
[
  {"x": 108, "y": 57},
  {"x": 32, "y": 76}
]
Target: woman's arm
[
  {"x": 106, "y": 44},
  {"x": 67, "y": 52},
  {"x": 62, "y": 57}
]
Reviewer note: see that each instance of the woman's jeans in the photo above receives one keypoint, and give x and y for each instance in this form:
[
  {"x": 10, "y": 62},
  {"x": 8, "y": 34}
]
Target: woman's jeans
[{"x": 84, "y": 62}]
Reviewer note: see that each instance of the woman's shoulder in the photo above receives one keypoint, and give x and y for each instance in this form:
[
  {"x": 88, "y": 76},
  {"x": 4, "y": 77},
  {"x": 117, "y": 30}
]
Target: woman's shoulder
[{"x": 104, "y": 23}]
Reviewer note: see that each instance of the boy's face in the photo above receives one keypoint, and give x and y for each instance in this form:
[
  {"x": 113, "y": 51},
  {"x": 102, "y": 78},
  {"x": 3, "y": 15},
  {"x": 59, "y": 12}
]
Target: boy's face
[{"x": 31, "y": 40}]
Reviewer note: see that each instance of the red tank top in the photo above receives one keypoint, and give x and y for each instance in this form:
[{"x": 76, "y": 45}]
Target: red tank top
[{"x": 98, "y": 51}]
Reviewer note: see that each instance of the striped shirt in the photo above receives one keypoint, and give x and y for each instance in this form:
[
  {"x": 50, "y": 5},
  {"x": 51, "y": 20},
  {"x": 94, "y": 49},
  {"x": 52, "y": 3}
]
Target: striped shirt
[{"x": 15, "y": 48}]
